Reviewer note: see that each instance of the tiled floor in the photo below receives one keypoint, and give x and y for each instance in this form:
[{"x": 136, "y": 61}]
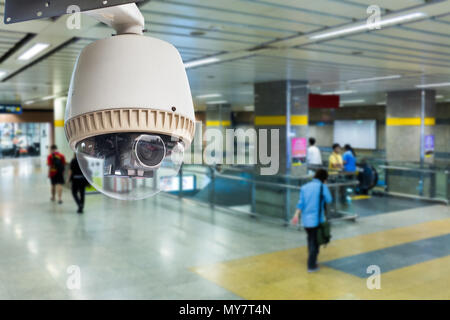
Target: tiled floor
[
  {"x": 344, "y": 263},
  {"x": 373, "y": 205},
  {"x": 162, "y": 248}
]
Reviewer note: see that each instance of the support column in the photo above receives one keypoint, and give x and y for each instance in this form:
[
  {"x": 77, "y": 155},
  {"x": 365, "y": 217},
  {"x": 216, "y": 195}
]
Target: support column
[
  {"x": 60, "y": 140},
  {"x": 410, "y": 120},
  {"x": 281, "y": 105}
]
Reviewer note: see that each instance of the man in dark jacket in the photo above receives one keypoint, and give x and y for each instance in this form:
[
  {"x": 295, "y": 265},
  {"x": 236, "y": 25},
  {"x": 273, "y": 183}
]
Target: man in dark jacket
[{"x": 79, "y": 184}]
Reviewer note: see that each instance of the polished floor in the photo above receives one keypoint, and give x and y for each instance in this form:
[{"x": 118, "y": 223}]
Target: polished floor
[{"x": 161, "y": 248}]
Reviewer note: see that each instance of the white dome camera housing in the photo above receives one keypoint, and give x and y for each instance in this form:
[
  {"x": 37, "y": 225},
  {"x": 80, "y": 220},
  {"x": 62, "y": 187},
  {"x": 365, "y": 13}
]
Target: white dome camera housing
[{"x": 129, "y": 114}]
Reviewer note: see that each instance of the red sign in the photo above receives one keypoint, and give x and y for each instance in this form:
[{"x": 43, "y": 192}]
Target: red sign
[{"x": 323, "y": 101}]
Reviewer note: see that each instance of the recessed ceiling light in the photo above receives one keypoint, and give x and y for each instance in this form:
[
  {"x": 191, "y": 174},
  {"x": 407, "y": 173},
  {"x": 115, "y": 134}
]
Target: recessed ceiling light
[
  {"x": 212, "y": 95},
  {"x": 3, "y": 73},
  {"x": 217, "y": 102},
  {"x": 375, "y": 79},
  {"x": 365, "y": 26},
  {"x": 353, "y": 101},
  {"x": 434, "y": 85},
  {"x": 33, "y": 51},
  {"x": 200, "y": 62},
  {"x": 48, "y": 98},
  {"x": 339, "y": 92},
  {"x": 381, "y": 103},
  {"x": 246, "y": 92}
]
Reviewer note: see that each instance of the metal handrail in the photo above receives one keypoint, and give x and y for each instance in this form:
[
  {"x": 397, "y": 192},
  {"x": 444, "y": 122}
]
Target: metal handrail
[
  {"x": 281, "y": 185},
  {"x": 193, "y": 170},
  {"x": 412, "y": 169},
  {"x": 291, "y": 177},
  {"x": 287, "y": 188}
]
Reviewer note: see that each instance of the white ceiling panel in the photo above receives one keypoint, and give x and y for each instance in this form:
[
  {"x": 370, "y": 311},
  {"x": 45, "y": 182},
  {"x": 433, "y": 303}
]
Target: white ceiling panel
[
  {"x": 391, "y": 4},
  {"x": 276, "y": 14},
  {"x": 418, "y": 51},
  {"x": 319, "y": 9}
]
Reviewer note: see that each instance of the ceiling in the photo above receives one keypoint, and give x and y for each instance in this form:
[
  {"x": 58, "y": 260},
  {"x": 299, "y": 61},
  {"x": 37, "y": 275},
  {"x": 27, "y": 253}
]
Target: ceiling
[{"x": 255, "y": 41}]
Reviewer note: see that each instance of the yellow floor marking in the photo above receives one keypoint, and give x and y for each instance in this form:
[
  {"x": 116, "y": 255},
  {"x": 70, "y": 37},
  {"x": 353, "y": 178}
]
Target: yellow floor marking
[
  {"x": 282, "y": 274},
  {"x": 426, "y": 280},
  {"x": 360, "y": 197},
  {"x": 379, "y": 240}
]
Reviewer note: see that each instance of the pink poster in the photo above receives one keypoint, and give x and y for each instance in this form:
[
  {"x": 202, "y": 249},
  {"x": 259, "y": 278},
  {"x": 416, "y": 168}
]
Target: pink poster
[{"x": 299, "y": 147}]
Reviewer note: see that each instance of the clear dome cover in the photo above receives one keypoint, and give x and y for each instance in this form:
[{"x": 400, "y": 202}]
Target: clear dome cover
[{"x": 129, "y": 166}]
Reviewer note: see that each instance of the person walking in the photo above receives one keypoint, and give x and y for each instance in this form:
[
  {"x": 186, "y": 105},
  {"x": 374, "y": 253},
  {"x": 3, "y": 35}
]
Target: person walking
[
  {"x": 313, "y": 156},
  {"x": 56, "y": 163},
  {"x": 79, "y": 184},
  {"x": 313, "y": 197}
]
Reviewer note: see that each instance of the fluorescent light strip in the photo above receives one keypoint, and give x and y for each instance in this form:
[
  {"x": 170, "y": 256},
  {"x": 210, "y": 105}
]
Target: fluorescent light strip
[
  {"x": 439, "y": 96},
  {"x": 367, "y": 26},
  {"x": 339, "y": 92},
  {"x": 375, "y": 79},
  {"x": 217, "y": 102},
  {"x": 33, "y": 51},
  {"x": 246, "y": 92},
  {"x": 434, "y": 85},
  {"x": 201, "y": 62},
  {"x": 353, "y": 101},
  {"x": 382, "y": 103},
  {"x": 212, "y": 95},
  {"x": 48, "y": 98}
]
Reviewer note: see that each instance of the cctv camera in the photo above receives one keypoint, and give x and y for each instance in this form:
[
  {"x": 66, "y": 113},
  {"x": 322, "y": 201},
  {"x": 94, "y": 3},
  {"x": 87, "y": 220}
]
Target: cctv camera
[{"x": 129, "y": 114}]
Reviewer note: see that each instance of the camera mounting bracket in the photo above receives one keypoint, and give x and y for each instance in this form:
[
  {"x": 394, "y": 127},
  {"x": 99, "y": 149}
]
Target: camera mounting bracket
[
  {"x": 24, "y": 10},
  {"x": 125, "y": 19}
]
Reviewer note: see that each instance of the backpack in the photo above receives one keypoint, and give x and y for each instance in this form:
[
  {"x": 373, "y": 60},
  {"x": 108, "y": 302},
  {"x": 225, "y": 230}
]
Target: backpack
[
  {"x": 57, "y": 164},
  {"x": 375, "y": 177}
]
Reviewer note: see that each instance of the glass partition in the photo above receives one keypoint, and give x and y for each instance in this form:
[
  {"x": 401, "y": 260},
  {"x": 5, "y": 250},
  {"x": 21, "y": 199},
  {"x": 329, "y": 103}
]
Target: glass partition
[{"x": 241, "y": 190}]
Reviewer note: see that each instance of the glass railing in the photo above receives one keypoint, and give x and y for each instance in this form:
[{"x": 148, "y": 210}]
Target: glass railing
[
  {"x": 416, "y": 181},
  {"x": 412, "y": 179},
  {"x": 241, "y": 190}
]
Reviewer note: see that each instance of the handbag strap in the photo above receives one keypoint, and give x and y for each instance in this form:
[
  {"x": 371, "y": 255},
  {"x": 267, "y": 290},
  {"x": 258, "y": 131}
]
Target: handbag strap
[{"x": 320, "y": 204}]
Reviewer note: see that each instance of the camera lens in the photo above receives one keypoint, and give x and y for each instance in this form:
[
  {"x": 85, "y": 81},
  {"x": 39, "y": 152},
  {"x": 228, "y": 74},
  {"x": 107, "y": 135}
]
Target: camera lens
[
  {"x": 149, "y": 150},
  {"x": 129, "y": 165}
]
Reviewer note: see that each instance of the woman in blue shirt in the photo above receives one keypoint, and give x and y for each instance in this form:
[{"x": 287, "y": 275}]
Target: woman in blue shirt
[
  {"x": 349, "y": 159},
  {"x": 309, "y": 206}
]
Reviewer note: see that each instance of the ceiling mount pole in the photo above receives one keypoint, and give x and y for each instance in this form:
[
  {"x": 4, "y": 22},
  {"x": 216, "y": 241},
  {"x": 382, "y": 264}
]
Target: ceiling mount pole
[{"x": 125, "y": 19}]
